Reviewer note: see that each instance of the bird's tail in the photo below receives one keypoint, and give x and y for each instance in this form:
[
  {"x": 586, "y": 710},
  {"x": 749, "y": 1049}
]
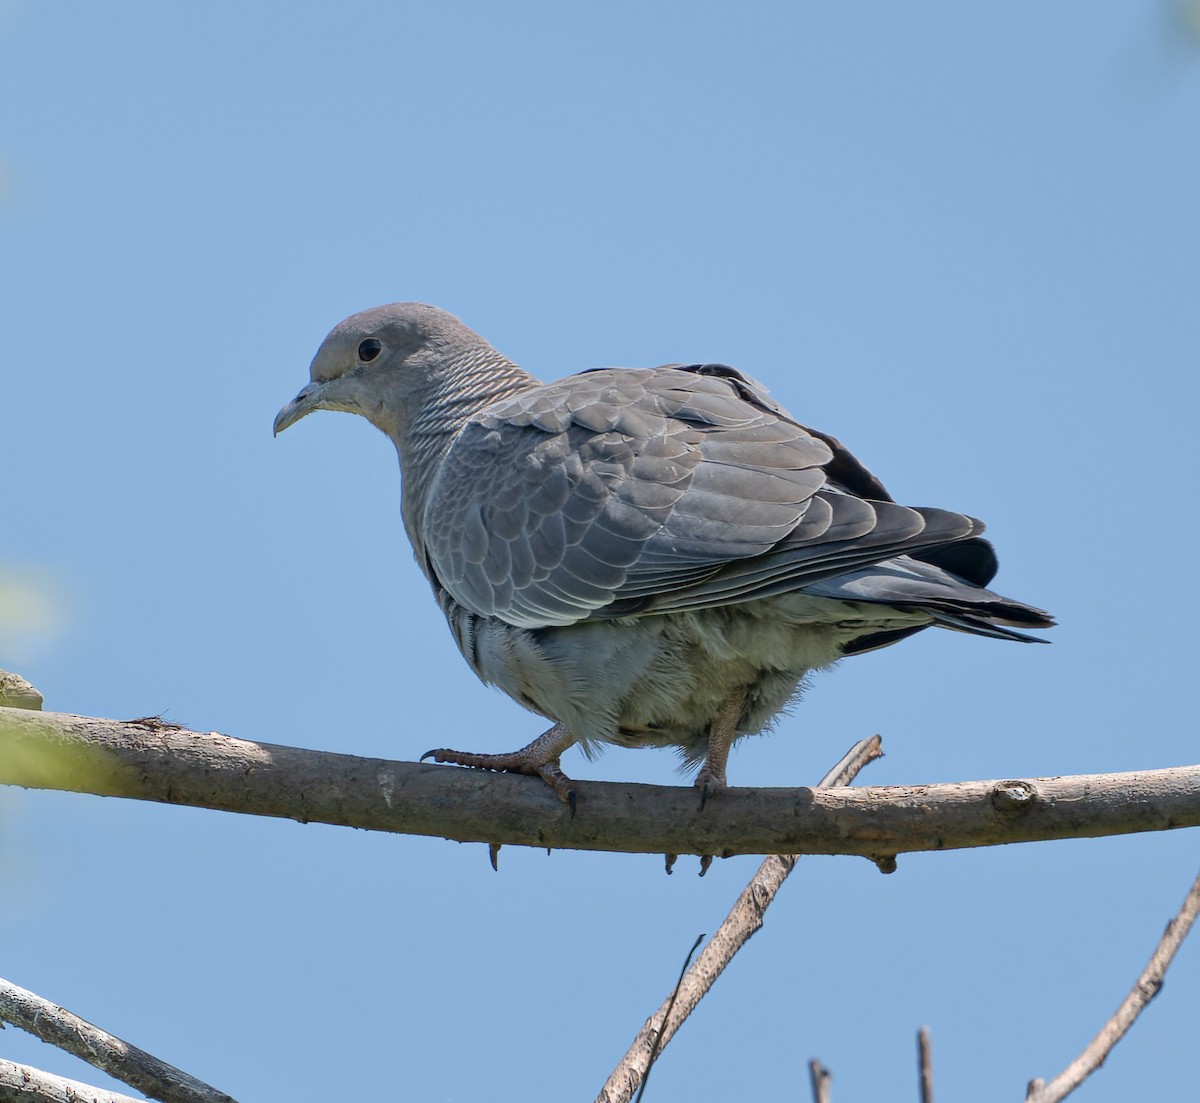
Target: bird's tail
[{"x": 951, "y": 601}]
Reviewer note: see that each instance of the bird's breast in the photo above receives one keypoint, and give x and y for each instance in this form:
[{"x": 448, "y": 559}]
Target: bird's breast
[{"x": 660, "y": 680}]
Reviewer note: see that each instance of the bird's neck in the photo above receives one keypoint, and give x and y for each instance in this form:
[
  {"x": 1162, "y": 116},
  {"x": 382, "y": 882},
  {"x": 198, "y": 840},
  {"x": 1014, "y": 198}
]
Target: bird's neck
[{"x": 458, "y": 390}]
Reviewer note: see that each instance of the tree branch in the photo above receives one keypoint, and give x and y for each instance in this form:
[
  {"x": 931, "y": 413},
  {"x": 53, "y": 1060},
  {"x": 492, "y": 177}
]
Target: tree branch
[
  {"x": 1146, "y": 988},
  {"x": 743, "y": 920},
  {"x": 16, "y": 693},
  {"x": 819, "y": 1077},
  {"x": 136, "y": 1067},
  {"x": 149, "y": 760},
  {"x": 925, "y": 1065},
  {"x": 22, "y": 1084}
]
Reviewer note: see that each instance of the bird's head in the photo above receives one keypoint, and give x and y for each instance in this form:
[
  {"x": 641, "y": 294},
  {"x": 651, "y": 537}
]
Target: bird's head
[{"x": 379, "y": 363}]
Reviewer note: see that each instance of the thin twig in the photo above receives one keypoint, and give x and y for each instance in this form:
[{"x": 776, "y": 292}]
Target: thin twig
[
  {"x": 125, "y": 1062},
  {"x": 657, "y": 1047},
  {"x": 1146, "y": 988},
  {"x": 925, "y": 1065},
  {"x": 744, "y": 918},
  {"x": 22, "y": 1084},
  {"x": 820, "y": 1078},
  {"x": 149, "y": 760}
]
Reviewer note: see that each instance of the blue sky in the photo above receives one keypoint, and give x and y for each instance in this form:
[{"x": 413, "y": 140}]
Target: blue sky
[{"x": 963, "y": 238}]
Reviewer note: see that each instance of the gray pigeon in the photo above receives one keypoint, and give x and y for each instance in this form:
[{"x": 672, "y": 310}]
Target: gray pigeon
[{"x": 644, "y": 556}]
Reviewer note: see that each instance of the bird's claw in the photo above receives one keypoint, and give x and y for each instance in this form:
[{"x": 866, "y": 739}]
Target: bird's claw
[
  {"x": 709, "y": 784},
  {"x": 516, "y": 762}
]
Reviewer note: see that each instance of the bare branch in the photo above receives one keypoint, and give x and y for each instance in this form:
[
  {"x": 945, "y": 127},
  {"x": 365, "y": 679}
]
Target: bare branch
[
  {"x": 16, "y": 693},
  {"x": 743, "y": 920},
  {"x": 22, "y": 1084},
  {"x": 136, "y": 1067},
  {"x": 659, "y": 1041},
  {"x": 925, "y": 1065},
  {"x": 1146, "y": 988},
  {"x": 149, "y": 760},
  {"x": 820, "y": 1077}
]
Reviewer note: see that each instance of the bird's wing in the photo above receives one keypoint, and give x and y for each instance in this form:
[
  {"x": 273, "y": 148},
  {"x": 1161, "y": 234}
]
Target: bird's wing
[{"x": 621, "y": 491}]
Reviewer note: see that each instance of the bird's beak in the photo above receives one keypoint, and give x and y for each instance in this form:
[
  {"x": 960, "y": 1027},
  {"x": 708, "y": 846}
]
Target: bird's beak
[{"x": 305, "y": 402}]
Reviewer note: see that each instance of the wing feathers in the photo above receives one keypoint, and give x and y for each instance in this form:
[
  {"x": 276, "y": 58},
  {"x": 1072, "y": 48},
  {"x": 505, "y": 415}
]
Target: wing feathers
[{"x": 623, "y": 492}]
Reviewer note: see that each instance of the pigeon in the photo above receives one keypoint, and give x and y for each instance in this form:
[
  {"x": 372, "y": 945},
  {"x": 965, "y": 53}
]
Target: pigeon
[{"x": 643, "y": 556}]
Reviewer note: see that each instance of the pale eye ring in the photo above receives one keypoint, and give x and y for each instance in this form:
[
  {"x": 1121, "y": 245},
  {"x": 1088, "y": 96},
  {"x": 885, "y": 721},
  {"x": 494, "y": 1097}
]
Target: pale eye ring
[{"x": 369, "y": 349}]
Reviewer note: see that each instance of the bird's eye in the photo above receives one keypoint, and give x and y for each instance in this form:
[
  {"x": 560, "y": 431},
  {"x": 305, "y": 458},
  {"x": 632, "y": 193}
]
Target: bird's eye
[{"x": 368, "y": 350}]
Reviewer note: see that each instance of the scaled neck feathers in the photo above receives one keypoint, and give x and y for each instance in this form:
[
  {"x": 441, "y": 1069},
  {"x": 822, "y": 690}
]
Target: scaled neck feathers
[{"x": 456, "y": 389}]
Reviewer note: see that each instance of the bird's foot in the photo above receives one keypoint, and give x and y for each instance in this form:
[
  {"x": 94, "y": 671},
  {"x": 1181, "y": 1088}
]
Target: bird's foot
[
  {"x": 721, "y": 734},
  {"x": 539, "y": 758},
  {"x": 710, "y": 780},
  {"x": 515, "y": 762}
]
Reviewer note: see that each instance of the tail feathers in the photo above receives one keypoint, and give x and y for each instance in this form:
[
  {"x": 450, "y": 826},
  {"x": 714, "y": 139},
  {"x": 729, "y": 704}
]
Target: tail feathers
[
  {"x": 972, "y": 559},
  {"x": 974, "y": 626},
  {"x": 951, "y": 601},
  {"x": 977, "y": 626}
]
